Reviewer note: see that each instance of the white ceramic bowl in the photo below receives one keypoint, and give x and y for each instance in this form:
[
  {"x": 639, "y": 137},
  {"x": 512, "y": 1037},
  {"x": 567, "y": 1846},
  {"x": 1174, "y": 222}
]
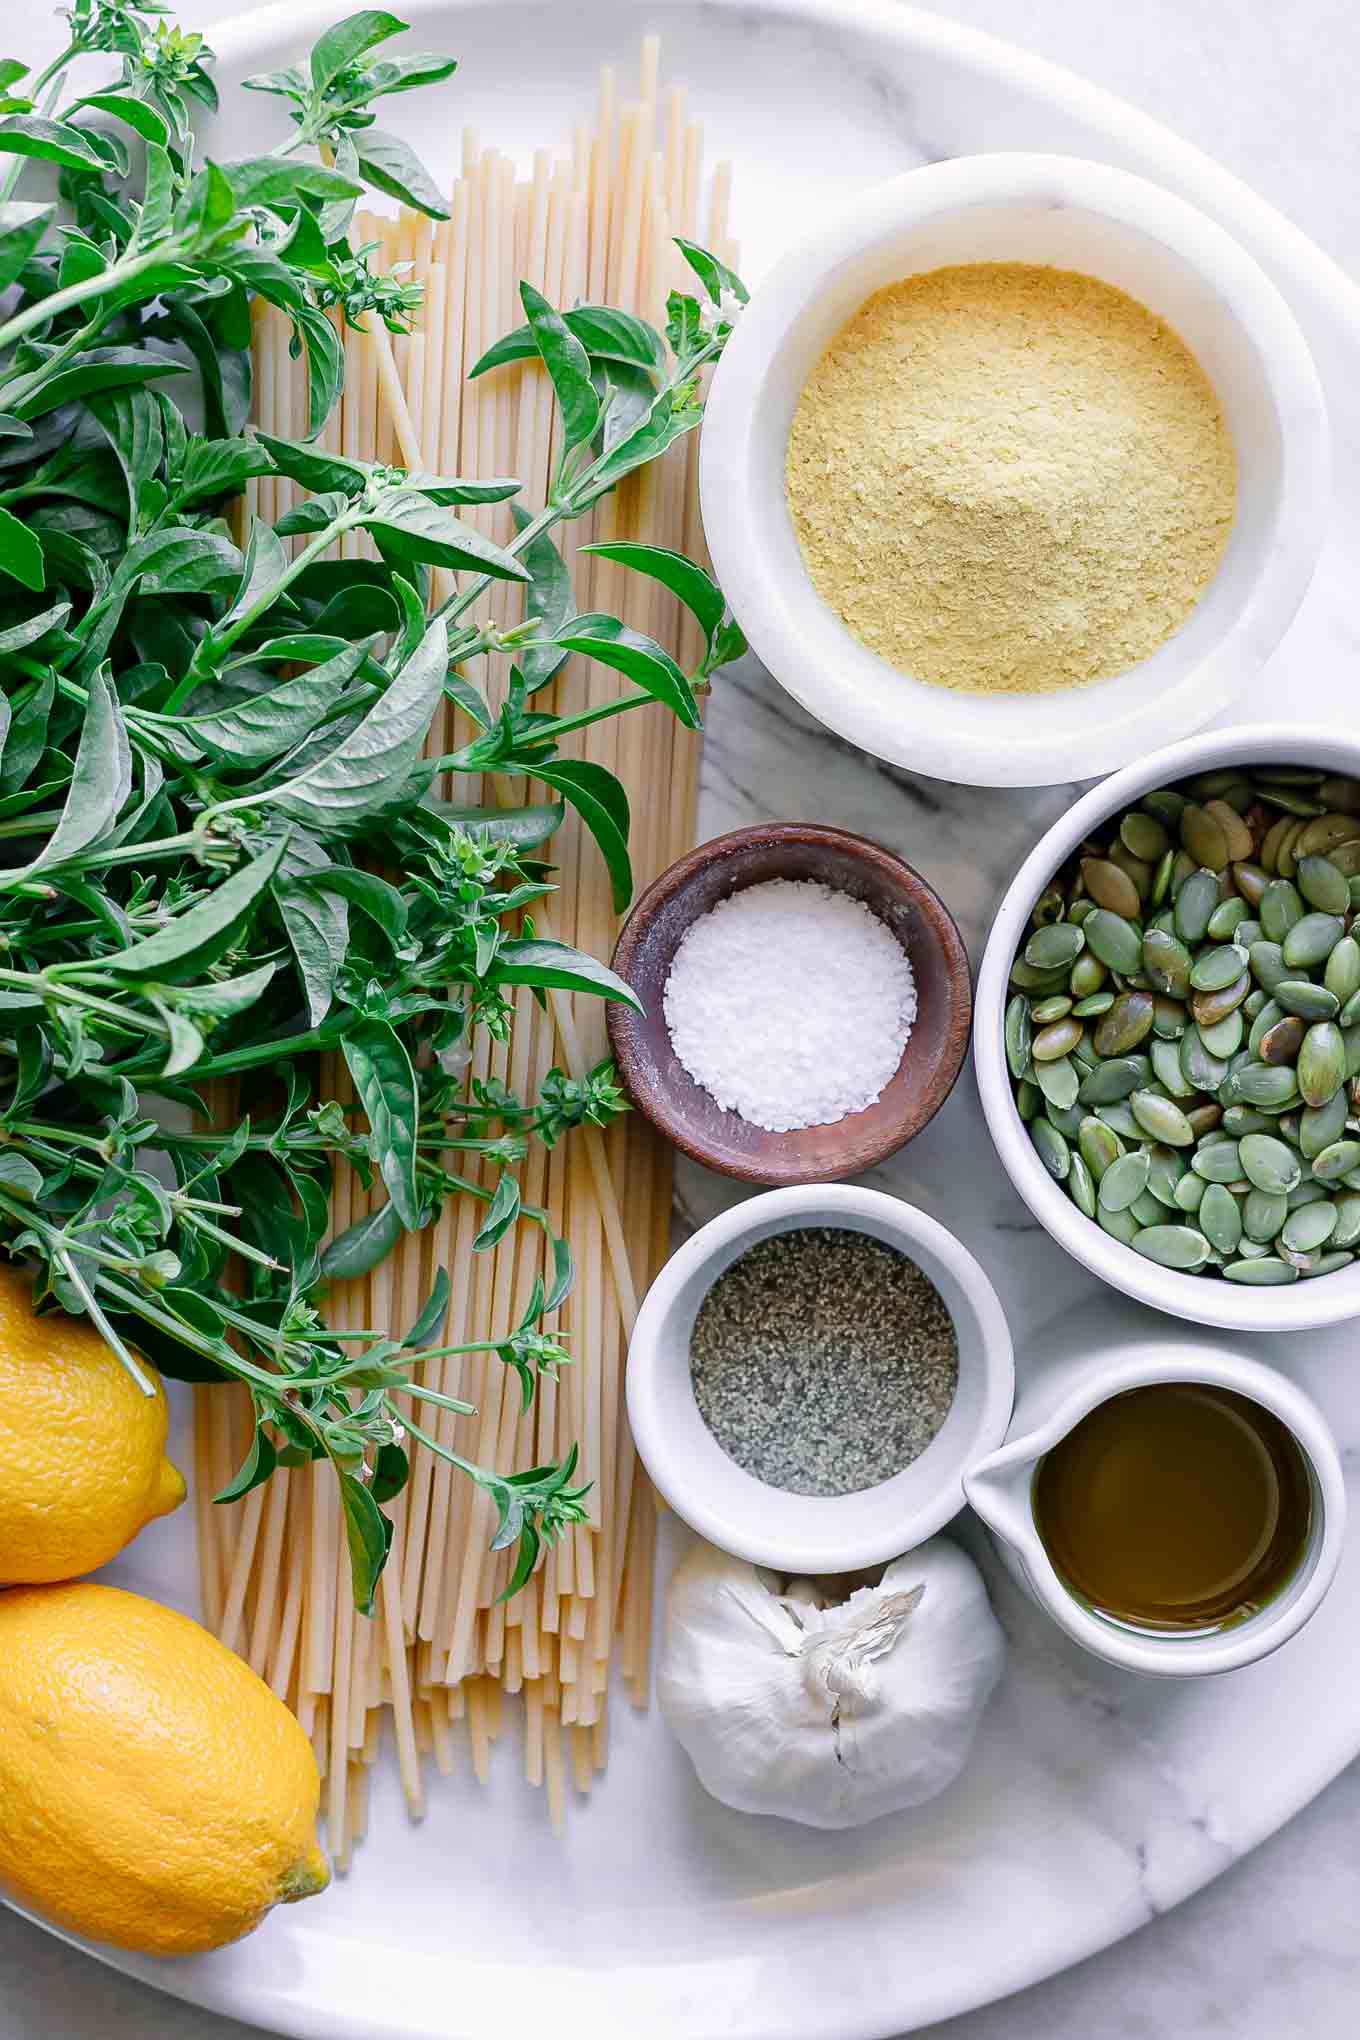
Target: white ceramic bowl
[
  {"x": 1070, "y": 214},
  {"x": 1205, "y": 1299},
  {"x": 812, "y": 1533}
]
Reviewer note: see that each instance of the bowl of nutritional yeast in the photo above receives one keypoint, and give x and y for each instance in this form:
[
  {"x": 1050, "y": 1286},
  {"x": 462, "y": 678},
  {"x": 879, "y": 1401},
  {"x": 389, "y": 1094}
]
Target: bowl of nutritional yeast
[
  {"x": 1015, "y": 468},
  {"x": 1167, "y": 1035}
]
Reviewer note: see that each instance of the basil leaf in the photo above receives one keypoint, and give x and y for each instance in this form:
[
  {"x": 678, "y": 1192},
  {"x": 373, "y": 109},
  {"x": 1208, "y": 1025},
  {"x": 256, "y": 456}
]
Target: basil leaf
[
  {"x": 22, "y": 226},
  {"x": 106, "y": 368},
  {"x": 219, "y": 999},
  {"x": 318, "y": 472},
  {"x": 639, "y": 658},
  {"x": 391, "y": 1471},
  {"x": 18, "y": 635},
  {"x": 686, "y": 581},
  {"x": 263, "y": 725},
  {"x": 21, "y": 555},
  {"x": 715, "y": 276},
  {"x": 606, "y": 333},
  {"x": 407, "y": 526},
  {"x": 427, "y": 1327},
  {"x": 27, "y": 134},
  {"x": 341, "y": 47},
  {"x": 137, "y": 114},
  {"x": 26, "y": 737},
  {"x": 602, "y": 804},
  {"x": 188, "y": 944},
  {"x": 272, "y": 181},
  {"x": 19, "y": 1176},
  {"x": 550, "y": 597},
  {"x": 373, "y": 896},
  {"x": 386, "y": 1085},
  {"x": 568, "y": 367},
  {"x": 325, "y": 365},
  {"x": 374, "y": 761},
  {"x": 218, "y": 467},
  {"x": 525, "y": 827},
  {"x": 132, "y": 421},
  {"x": 532, "y": 961},
  {"x": 317, "y": 927},
  {"x": 362, "y": 1245},
  {"x": 499, "y": 1219},
  {"x": 392, "y": 165},
  {"x": 101, "y": 781},
  {"x": 405, "y": 74},
  {"x": 369, "y": 1535},
  {"x": 256, "y": 1468}
]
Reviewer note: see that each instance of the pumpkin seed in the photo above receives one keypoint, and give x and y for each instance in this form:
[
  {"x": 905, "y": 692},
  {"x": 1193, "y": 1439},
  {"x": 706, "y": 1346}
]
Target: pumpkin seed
[
  {"x": 1227, "y": 918},
  {"x": 1240, "y": 1119},
  {"x": 1162, "y": 878},
  {"x": 1203, "y": 838},
  {"x": 1056, "y": 947},
  {"x": 1282, "y": 1042},
  {"x": 1098, "y": 1002},
  {"x": 1124, "y": 1180},
  {"x": 1347, "y": 1230},
  {"x": 1217, "y": 968},
  {"x": 1322, "y": 885},
  {"x": 1162, "y": 1118},
  {"x": 1058, "y": 1040},
  {"x": 1019, "y": 1034},
  {"x": 1051, "y": 1149},
  {"x": 1081, "y": 1186},
  {"x": 1309, "y": 1228},
  {"x": 1219, "y": 1163},
  {"x": 1189, "y": 1193},
  {"x": 1322, "y": 1063},
  {"x": 1309, "y": 1001},
  {"x": 1204, "y": 1119},
  {"x": 1110, "y": 887},
  {"x": 1195, "y": 903},
  {"x": 1121, "y": 1225},
  {"x": 1088, "y": 975},
  {"x": 1049, "y": 1010},
  {"x": 1078, "y": 909},
  {"x": 1143, "y": 836},
  {"x": 1166, "y": 1064},
  {"x": 1250, "y": 881},
  {"x": 1326, "y": 833},
  {"x": 1259, "y": 1084},
  {"x": 1337, "y": 1160},
  {"x": 1265, "y": 1017},
  {"x": 1111, "y": 1081},
  {"x": 1058, "y": 1081},
  {"x": 1202, "y": 1069},
  {"x": 1147, "y": 1210},
  {"x": 1120, "y": 1120},
  {"x": 1327, "y": 1264},
  {"x": 1219, "y": 1219},
  {"x": 1263, "y": 1213},
  {"x": 1349, "y": 1015},
  {"x": 1267, "y": 962},
  {"x": 1037, "y": 981},
  {"x": 1342, "y": 975},
  {"x": 1236, "y": 834},
  {"x": 1307, "y": 1192},
  {"x": 1028, "y": 1099},
  {"x": 1167, "y": 804},
  {"x": 1341, "y": 795},
  {"x": 1172, "y": 1246},
  {"x": 1261, "y": 1274},
  {"x": 1099, "y": 1146},
  {"x": 1280, "y": 909},
  {"x": 1166, "y": 963},
  {"x": 1050, "y": 905},
  {"x": 1209, "y": 1008},
  {"x": 1084, "y": 1055},
  {"x": 1268, "y": 1164},
  {"x": 1115, "y": 940},
  {"x": 1351, "y": 1037},
  {"x": 1247, "y": 933},
  {"x": 1137, "y": 868},
  {"x": 1311, "y": 940},
  {"x": 1322, "y": 1125},
  {"x": 1165, "y": 1169},
  {"x": 1169, "y": 1017},
  {"x": 1125, "y": 1026}
]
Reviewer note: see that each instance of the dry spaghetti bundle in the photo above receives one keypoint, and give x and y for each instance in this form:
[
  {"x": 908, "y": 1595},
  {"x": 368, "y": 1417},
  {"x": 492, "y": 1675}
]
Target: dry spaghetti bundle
[{"x": 443, "y": 1648}]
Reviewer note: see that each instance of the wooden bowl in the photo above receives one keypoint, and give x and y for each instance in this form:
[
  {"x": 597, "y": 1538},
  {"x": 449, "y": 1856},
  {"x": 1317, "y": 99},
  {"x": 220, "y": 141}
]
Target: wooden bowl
[{"x": 665, "y": 1092}]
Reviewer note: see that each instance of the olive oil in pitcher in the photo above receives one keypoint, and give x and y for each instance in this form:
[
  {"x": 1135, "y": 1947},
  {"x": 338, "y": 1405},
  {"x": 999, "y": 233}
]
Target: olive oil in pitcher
[{"x": 1178, "y": 1506}]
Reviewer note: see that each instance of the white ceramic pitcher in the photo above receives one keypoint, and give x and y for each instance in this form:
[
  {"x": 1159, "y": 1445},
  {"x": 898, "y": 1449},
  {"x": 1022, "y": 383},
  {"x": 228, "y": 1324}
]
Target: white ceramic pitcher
[{"x": 1078, "y": 1372}]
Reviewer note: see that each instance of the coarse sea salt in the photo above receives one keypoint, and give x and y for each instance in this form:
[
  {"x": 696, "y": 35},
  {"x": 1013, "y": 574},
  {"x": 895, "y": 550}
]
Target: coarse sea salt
[{"x": 790, "y": 1003}]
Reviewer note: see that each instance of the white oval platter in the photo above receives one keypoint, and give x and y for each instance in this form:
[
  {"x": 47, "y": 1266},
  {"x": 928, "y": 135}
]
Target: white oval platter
[{"x": 1093, "y": 1801}]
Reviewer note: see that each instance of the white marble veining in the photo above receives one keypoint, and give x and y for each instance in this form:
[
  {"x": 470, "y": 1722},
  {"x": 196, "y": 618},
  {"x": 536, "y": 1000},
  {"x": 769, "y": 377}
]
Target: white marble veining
[{"x": 1120, "y": 1797}]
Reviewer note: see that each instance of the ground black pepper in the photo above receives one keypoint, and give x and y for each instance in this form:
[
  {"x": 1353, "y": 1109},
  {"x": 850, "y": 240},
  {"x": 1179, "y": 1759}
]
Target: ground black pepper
[{"x": 823, "y": 1361}]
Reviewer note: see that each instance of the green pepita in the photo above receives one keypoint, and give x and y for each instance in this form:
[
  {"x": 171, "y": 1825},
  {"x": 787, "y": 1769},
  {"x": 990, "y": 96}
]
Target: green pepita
[
  {"x": 1220, "y": 1220},
  {"x": 1261, "y": 1274},
  {"x": 1115, "y": 940},
  {"x": 1081, "y": 1185},
  {"x": 1321, "y": 1068},
  {"x": 1189, "y": 1194},
  {"x": 1337, "y": 1161},
  {"x": 1309, "y": 1228},
  {"x": 1051, "y": 1149},
  {"x": 1195, "y": 903},
  {"x": 1263, "y": 1213},
  {"x": 1099, "y": 1145},
  {"x": 1322, "y": 1125},
  {"x": 1311, "y": 940},
  {"x": 1304, "y": 999},
  {"x": 1162, "y": 1118},
  {"x": 1058, "y": 1081},
  {"x": 1322, "y": 885},
  {"x": 1110, "y": 1081},
  {"x": 1058, "y": 1040},
  {"x": 1124, "y": 1181},
  {"x": 1126, "y": 1026},
  {"x": 1166, "y": 963},
  {"x": 1218, "y": 1163},
  {"x": 1055, "y": 947},
  {"x": 1216, "y": 968},
  {"x": 1173, "y": 1246},
  {"x": 1268, "y": 1164}
]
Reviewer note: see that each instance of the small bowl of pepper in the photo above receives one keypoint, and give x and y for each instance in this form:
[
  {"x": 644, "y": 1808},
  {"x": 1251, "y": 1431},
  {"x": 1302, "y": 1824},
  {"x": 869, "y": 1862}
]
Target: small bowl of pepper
[
  {"x": 813, "y": 1373},
  {"x": 806, "y": 1003}
]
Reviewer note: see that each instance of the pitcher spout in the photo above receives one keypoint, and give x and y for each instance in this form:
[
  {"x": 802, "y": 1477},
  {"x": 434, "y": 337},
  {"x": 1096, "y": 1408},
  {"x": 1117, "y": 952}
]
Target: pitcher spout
[{"x": 998, "y": 1490}]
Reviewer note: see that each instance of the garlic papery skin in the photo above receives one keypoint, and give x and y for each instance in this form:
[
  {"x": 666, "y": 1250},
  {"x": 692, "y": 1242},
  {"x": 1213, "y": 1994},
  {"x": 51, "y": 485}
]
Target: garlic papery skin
[{"x": 828, "y": 1715}]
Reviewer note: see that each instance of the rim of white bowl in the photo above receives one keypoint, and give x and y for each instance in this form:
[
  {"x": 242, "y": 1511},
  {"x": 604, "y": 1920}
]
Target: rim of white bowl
[
  {"x": 935, "y": 730},
  {"x": 843, "y": 1533},
  {"x": 1302, "y": 1305}
]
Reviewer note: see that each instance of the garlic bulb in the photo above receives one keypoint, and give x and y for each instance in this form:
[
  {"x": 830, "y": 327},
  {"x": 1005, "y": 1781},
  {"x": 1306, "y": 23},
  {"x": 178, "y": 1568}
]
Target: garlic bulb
[{"x": 830, "y": 1715}]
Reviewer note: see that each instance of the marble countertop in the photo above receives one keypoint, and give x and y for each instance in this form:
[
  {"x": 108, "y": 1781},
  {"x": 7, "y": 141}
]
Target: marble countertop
[{"x": 1268, "y": 1952}]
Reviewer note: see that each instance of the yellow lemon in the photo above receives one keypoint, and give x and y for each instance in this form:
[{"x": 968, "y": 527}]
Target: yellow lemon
[
  {"x": 153, "y": 1792},
  {"x": 82, "y": 1450}
]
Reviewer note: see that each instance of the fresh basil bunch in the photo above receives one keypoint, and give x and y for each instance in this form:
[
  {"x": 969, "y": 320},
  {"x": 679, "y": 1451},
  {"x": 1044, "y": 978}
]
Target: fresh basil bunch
[{"x": 207, "y": 754}]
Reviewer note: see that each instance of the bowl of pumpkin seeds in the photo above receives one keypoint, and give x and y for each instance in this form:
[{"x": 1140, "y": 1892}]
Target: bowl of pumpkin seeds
[{"x": 1168, "y": 1031}]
